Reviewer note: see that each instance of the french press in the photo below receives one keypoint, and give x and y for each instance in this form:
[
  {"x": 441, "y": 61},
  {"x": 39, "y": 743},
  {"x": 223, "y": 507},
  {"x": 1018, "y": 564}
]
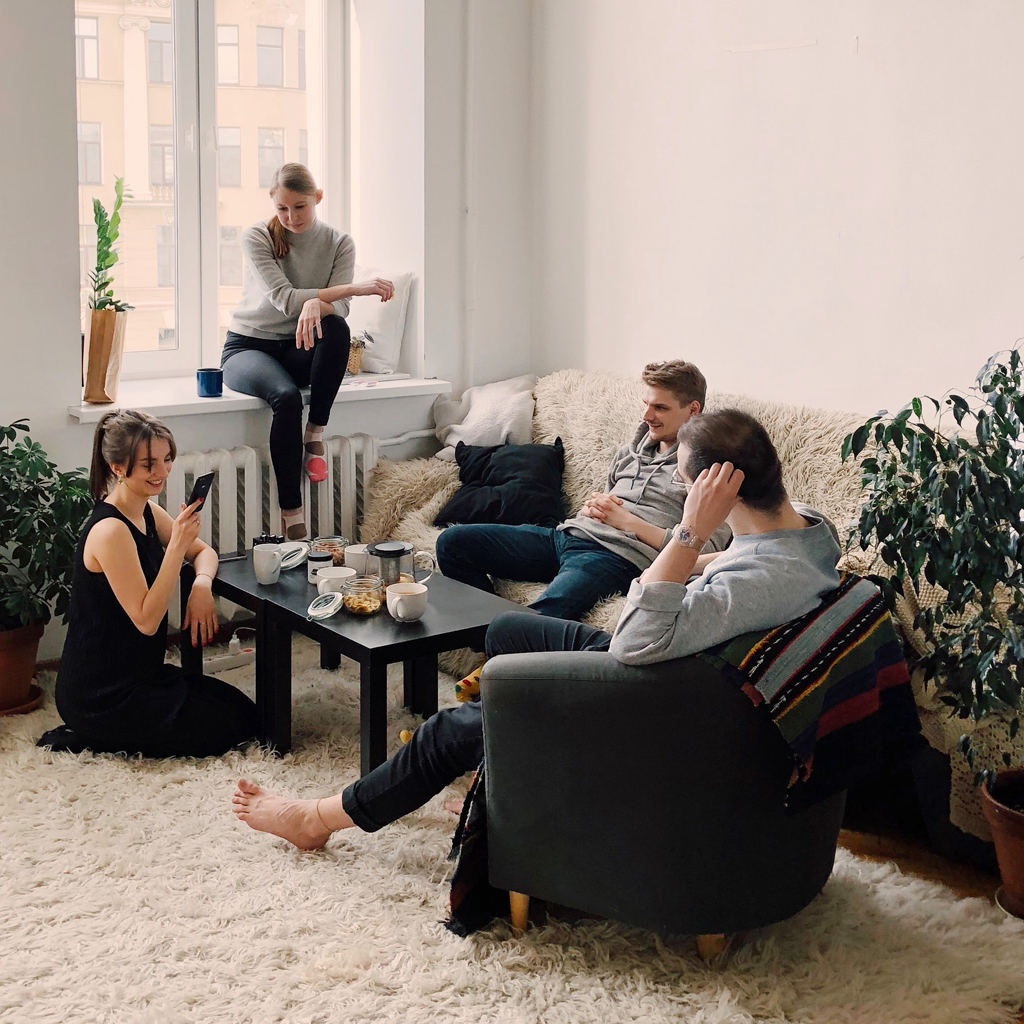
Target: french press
[{"x": 395, "y": 557}]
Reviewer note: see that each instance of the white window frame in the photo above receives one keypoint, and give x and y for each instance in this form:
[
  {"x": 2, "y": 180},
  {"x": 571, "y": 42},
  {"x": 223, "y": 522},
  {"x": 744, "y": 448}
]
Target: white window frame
[{"x": 194, "y": 24}]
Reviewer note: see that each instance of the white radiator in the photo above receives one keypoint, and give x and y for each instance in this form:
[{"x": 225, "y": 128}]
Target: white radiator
[{"x": 243, "y": 500}]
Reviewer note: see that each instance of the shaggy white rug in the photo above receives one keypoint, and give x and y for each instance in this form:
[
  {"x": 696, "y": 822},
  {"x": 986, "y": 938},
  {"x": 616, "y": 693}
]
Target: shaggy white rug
[{"x": 129, "y": 893}]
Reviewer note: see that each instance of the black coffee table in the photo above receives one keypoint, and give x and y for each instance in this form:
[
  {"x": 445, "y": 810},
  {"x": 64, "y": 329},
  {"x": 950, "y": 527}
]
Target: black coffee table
[{"x": 457, "y": 616}]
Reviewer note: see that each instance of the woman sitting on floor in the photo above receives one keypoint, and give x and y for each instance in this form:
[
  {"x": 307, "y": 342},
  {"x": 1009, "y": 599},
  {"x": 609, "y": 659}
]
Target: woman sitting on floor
[{"x": 114, "y": 691}]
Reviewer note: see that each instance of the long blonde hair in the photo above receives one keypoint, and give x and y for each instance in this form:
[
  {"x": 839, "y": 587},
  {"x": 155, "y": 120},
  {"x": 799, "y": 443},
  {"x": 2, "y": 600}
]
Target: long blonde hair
[{"x": 294, "y": 178}]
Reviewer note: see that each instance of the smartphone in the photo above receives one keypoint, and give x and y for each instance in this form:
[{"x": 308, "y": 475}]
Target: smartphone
[{"x": 200, "y": 489}]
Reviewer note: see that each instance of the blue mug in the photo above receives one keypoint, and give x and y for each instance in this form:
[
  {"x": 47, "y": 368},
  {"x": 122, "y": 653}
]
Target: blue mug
[{"x": 210, "y": 383}]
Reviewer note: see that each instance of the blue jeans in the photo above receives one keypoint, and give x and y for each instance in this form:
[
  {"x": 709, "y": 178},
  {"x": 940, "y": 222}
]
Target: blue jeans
[
  {"x": 451, "y": 743},
  {"x": 275, "y": 371},
  {"x": 579, "y": 572}
]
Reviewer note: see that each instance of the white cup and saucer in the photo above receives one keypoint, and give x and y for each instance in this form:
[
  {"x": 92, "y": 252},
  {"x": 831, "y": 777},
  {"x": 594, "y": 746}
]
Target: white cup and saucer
[
  {"x": 332, "y": 578},
  {"x": 407, "y": 601}
]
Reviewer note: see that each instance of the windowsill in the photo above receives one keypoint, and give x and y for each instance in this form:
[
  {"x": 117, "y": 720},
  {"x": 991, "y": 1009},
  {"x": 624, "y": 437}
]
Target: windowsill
[{"x": 165, "y": 397}]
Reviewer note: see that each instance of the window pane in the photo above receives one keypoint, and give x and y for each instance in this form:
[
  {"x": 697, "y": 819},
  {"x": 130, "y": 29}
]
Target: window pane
[
  {"x": 302, "y": 59},
  {"x": 160, "y": 55},
  {"x": 86, "y": 48},
  {"x": 227, "y": 55},
  {"x": 268, "y": 124},
  {"x": 269, "y": 56},
  {"x": 129, "y": 133}
]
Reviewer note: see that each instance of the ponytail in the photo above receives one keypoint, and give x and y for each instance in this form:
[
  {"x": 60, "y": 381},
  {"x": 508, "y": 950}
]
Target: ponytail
[
  {"x": 294, "y": 178},
  {"x": 118, "y": 437}
]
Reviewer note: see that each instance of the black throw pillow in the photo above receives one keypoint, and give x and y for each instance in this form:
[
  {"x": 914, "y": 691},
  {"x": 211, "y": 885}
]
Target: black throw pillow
[{"x": 511, "y": 484}]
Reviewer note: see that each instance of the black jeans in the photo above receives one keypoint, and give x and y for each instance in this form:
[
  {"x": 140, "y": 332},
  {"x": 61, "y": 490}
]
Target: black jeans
[
  {"x": 452, "y": 742},
  {"x": 274, "y": 371}
]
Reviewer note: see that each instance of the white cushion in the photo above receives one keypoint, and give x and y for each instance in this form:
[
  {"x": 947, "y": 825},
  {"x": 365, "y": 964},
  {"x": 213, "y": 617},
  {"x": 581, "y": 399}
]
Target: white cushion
[{"x": 384, "y": 322}]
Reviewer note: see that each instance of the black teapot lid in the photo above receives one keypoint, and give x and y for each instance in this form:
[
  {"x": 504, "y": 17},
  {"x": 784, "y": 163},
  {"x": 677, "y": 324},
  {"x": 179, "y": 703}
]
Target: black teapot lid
[{"x": 389, "y": 549}]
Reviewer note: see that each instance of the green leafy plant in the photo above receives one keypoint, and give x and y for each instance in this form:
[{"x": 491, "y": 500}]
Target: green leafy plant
[
  {"x": 106, "y": 235},
  {"x": 945, "y": 507},
  {"x": 42, "y": 512}
]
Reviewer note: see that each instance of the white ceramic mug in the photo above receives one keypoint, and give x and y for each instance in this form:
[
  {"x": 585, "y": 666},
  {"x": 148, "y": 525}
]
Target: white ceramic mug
[
  {"x": 355, "y": 558},
  {"x": 266, "y": 563},
  {"x": 407, "y": 601},
  {"x": 332, "y": 578}
]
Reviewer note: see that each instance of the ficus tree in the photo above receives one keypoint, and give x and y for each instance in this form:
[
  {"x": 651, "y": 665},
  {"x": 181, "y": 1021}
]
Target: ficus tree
[{"x": 945, "y": 506}]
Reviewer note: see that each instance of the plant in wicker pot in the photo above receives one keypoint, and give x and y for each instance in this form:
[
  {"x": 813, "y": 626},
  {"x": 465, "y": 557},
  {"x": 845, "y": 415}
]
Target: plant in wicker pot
[
  {"x": 942, "y": 510},
  {"x": 355, "y": 353},
  {"x": 42, "y": 511}
]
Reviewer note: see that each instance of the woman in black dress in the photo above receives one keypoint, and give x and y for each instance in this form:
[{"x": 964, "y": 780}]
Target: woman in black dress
[{"x": 114, "y": 691}]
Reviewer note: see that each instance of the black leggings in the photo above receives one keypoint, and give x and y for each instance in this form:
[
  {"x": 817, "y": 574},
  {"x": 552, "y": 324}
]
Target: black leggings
[
  {"x": 452, "y": 742},
  {"x": 274, "y": 371}
]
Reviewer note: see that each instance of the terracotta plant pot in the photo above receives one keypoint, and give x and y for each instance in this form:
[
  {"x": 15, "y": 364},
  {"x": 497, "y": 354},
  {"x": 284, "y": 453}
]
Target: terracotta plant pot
[
  {"x": 1008, "y": 834},
  {"x": 18, "y": 650}
]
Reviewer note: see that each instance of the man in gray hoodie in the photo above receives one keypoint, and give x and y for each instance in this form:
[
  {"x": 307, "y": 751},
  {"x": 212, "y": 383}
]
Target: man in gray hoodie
[{"x": 617, "y": 533}]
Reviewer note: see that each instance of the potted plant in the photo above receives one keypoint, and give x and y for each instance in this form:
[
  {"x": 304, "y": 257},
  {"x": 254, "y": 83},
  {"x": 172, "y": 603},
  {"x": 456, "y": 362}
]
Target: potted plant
[
  {"x": 943, "y": 510},
  {"x": 42, "y": 512},
  {"x": 104, "y": 344}
]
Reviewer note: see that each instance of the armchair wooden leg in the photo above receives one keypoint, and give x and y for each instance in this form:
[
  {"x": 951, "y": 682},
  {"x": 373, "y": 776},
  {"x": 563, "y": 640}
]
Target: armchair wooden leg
[
  {"x": 710, "y": 946},
  {"x": 520, "y": 906}
]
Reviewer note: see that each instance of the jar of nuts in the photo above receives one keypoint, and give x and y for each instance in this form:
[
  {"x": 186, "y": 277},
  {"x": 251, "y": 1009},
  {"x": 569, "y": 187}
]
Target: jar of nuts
[
  {"x": 335, "y": 546},
  {"x": 363, "y": 595}
]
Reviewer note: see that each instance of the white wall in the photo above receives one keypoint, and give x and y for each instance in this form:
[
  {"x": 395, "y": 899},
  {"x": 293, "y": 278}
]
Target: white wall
[{"x": 837, "y": 224}]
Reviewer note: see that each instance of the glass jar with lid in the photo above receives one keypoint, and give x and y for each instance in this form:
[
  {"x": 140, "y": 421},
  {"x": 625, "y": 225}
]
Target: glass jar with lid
[
  {"x": 335, "y": 546},
  {"x": 363, "y": 595}
]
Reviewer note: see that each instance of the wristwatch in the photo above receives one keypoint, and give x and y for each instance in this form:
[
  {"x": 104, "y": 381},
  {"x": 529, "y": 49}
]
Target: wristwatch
[{"x": 683, "y": 535}]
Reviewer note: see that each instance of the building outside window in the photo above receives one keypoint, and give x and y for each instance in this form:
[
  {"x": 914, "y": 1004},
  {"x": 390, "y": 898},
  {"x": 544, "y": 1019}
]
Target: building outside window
[
  {"x": 161, "y": 154},
  {"x": 269, "y": 153},
  {"x": 269, "y": 56},
  {"x": 87, "y": 48},
  {"x": 302, "y": 59},
  {"x": 303, "y": 147},
  {"x": 229, "y": 157},
  {"x": 230, "y": 256},
  {"x": 89, "y": 153},
  {"x": 164, "y": 256},
  {"x": 227, "y": 55},
  {"x": 87, "y": 252},
  {"x": 161, "y": 62}
]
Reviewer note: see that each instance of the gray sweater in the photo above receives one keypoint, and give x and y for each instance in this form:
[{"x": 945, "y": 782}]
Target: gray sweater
[
  {"x": 761, "y": 581},
  {"x": 642, "y": 477},
  {"x": 274, "y": 291}
]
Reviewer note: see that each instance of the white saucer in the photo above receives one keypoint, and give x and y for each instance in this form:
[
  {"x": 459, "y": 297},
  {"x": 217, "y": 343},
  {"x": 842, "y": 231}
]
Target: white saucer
[{"x": 293, "y": 553}]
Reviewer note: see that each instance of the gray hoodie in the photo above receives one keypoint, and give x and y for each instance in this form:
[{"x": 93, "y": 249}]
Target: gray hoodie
[
  {"x": 760, "y": 582},
  {"x": 642, "y": 477}
]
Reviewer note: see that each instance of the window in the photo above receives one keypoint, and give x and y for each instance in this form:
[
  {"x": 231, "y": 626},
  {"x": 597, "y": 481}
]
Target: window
[
  {"x": 161, "y": 154},
  {"x": 164, "y": 256},
  {"x": 227, "y": 55},
  {"x": 269, "y": 56},
  {"x": 89, "y": 153},
  {"x": 86, "y": 252},
  {"x": 230, "y": 257},
  {"x": 229, "y": 157},
  {"x": 302, "y": 59},
  {"x": 269, "y": 153},
  {"x": 196, "y": 158},
  {"x": 161, "y": 63},
  {"x": 87, "y": 48}
]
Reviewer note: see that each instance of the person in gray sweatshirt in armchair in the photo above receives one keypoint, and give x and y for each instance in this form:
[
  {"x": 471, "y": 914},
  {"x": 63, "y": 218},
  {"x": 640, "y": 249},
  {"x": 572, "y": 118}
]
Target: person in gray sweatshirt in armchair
[{"x": 781, "y": 563}]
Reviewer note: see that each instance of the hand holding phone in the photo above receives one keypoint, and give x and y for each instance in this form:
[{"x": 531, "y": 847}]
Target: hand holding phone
[{"x": 200, "y": 489}]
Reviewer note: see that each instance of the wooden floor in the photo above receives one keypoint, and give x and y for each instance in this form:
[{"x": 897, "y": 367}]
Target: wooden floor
[{"x": 918, "y": 859}]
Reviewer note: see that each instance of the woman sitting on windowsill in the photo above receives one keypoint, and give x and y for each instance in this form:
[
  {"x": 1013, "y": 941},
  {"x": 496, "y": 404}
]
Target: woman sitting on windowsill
[
  {"x": 114, "y": 691},
  {"x": 289, "y": 329}
]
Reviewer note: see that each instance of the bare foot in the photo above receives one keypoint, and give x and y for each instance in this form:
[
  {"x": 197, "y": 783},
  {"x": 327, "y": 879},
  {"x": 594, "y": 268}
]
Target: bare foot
[
  {"x": 294, "y": 820},
  {"x": 455, "y": 806}
]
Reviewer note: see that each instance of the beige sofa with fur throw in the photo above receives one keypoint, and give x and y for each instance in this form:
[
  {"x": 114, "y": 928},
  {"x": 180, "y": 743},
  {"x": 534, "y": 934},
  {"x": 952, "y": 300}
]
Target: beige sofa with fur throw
[{"x": 595, "y": 414}]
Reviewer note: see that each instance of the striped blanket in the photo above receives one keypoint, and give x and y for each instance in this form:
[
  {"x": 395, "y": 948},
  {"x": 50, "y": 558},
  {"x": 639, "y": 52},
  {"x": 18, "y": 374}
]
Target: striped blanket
[{"x": 835, "y": 683}]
